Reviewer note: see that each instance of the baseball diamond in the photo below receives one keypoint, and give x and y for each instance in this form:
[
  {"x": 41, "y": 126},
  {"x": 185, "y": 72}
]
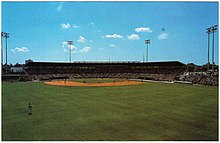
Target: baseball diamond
[{"x": 110, "y": 71}]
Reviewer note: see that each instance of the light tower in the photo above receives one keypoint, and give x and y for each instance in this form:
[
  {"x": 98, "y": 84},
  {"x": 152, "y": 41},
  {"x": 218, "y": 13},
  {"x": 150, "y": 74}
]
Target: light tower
[
  {"x": 208, "y": 31},
  {"x": 2, "y": 47},
  {"x": 6, "y": 36},
  {"x": 70, "y": 43},
  {"x": 212, "y": 30},
  {"x": 147, "y": 42}
]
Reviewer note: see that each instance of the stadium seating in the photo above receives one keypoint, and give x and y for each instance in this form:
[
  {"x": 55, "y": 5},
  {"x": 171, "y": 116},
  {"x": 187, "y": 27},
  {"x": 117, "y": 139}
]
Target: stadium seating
[{"x": 152, "y": 70}]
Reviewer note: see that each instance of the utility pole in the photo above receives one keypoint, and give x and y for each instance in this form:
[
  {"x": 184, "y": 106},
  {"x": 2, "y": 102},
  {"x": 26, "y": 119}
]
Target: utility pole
[
  {"x": 6, "y": 36},
  {"x": 147, "y": 42},
  {"x": 70, "y": 43}
]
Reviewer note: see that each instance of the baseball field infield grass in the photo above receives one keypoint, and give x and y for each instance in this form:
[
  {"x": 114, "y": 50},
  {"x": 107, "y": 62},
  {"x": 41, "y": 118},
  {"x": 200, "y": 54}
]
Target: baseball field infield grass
[
  {"x": 150, "y": 111},
  {"x": 97, "y": 80}
]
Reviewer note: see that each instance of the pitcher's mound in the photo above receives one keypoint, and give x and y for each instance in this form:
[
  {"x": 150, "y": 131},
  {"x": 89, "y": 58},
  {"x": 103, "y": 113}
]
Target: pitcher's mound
[{"x": 72, "y": 83}]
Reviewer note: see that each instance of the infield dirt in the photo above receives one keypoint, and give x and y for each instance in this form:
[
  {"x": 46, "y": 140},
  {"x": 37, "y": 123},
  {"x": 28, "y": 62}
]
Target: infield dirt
[{"x": 71, "y": 83}]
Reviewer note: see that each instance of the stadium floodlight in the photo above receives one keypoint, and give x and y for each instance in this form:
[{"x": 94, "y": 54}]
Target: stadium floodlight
[
  {"x": 212, "y": 30},
  {"x": 6, "y": 36},
  {"x": 2, "y": 47},
  {"x": 147, "y": 42},
  {"x": 70, "y": 43},
  {"x": 208, "y": 31}
]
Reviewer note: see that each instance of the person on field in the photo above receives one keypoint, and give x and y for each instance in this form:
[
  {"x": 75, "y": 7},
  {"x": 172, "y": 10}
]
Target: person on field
[{"x": 30, "y": 109}]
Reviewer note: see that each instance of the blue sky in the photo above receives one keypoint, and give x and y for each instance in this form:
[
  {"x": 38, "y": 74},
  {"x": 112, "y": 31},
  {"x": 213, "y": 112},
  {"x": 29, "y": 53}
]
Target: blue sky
[{"x": 109, "y": 30}]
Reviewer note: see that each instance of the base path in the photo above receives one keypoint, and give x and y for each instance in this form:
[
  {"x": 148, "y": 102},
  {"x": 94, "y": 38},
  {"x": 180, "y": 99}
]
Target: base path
[{"x": 71, "y": 83}]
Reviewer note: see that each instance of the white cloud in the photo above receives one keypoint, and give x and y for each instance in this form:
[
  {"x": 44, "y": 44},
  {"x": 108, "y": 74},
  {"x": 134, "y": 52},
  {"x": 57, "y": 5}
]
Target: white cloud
[
  {"x": 143, "y": 29},
  {"x": 91, "y": 41},
  {"x": 64, "y": 43},
  {"x": 75, "y": 26},
  {"x": 65, "y": 50},
  {"x": 81, "y": 39},
  {"x": 20, "y": 50},
  {"x": 85, "y": 50},
  {"x": 73, "y": 47},
  {"x": 60, "y": 6},
  {"x": 112, "y": 45},
  {"x": 65, "y": 26},
  {"x": 162, "y": 36},
  {"x": 133, "y": 37},
  {"x": 115, "y": 36}
]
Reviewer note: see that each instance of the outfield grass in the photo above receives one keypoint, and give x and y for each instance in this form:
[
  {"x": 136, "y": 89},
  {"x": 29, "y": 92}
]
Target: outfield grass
[{"x": 150, "y": 111}]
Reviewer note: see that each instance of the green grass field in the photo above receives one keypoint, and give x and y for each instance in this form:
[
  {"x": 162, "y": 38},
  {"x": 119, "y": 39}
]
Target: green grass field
[{"x": 150, "y": 111}]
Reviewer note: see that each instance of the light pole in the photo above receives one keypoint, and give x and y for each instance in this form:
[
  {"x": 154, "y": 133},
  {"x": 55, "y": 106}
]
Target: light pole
[
  {"x": 2, "y": 47},
  {"x": 6, "y": 36},
  {"x": 70, "y": 43},
  {"x": 147, "y": 42},
  {"x": 208, "y": 31},
  {"x": 212, "y": 30}
]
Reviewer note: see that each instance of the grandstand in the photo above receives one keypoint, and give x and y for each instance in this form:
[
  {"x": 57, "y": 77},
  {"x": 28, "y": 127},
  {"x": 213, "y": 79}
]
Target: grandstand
[{"x": 139, "y": 70}]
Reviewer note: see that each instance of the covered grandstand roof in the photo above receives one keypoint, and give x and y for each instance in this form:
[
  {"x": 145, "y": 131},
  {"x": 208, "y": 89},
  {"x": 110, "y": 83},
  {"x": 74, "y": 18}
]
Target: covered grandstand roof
[{"x": 163, "y": 63}]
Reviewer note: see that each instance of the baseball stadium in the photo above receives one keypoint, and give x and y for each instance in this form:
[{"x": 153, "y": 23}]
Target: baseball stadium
[
  {"x": 165, "y": 100},
  {"x": 108, "y": 101}
]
